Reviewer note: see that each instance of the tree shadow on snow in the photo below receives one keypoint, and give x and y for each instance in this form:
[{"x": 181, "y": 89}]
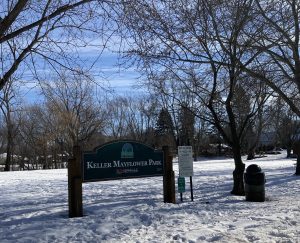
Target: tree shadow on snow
[{"x": 277, "y": 177}]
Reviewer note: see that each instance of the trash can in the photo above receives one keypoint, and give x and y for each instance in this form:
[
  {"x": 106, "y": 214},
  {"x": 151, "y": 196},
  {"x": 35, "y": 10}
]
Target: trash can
[{"x": 254, "y": 180}]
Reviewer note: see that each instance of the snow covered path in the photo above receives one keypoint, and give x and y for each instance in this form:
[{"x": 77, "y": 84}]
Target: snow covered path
[{"x": 33, "y": 208}]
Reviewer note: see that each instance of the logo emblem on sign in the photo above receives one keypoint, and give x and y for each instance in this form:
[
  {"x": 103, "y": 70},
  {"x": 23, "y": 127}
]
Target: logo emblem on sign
[{"x": 127, "y": 151}]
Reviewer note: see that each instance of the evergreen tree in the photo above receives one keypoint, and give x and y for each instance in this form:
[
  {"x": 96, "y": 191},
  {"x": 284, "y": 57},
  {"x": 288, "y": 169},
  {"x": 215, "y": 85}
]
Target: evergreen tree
[
  {"x": 165, "y": 128},
  {"x": 164, "y": 125}
]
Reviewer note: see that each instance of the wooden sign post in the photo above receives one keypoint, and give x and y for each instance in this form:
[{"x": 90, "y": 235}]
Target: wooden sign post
[
  {"x": 75, "y": 184},
  {"x": 122, "y": 159},
  {"x": 169, "y": 177}
]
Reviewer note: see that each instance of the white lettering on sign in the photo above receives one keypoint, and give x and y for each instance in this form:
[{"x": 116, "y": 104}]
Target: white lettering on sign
[
  {"x": 95, "y": 165},
  {"x": 185, "y": 161},
  {"x": 121, "y": 164},
  {"x": 152, "y": 162}
]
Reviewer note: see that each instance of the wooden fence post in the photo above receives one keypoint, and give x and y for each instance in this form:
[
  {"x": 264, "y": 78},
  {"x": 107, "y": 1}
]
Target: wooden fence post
[
  {"x": 169, "y": 177},
  {"x": 75, "y": 184}
]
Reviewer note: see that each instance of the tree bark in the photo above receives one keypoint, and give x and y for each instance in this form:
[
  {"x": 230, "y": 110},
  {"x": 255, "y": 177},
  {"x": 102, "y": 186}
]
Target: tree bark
[
  {"x": 251, "y": 154},
  {"x": 238, "y": 174},
  {"x": 8, "y": 158},
  {"x": 298, "y": 165},
  {"x": 296, "y": 150},
  {"x": 288, "y": 152},
  {"x": 9, "y": 144}
]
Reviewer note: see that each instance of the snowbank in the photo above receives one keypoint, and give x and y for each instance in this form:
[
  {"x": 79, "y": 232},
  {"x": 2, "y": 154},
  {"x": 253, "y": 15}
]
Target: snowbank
[{"x": 33, "y": 208}]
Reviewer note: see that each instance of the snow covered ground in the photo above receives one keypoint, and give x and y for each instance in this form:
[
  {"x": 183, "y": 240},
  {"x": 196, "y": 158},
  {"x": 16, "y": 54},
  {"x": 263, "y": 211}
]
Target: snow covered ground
[{"x": 33, "y": 208}]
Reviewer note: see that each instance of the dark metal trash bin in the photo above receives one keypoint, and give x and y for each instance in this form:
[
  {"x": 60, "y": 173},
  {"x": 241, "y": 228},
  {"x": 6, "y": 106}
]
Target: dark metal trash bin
[{"x": 254, "y": 180}]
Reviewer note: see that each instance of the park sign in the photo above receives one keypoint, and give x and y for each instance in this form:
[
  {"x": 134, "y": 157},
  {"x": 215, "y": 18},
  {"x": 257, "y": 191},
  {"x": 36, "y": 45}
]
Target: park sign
[
  {"x": 185, "y": 166},
  {"x": 181, "y": 184},
  {"x": 185, "y": 161},
  {"x": 120, "y": 160},
  {"x": 117, "y": 160}
]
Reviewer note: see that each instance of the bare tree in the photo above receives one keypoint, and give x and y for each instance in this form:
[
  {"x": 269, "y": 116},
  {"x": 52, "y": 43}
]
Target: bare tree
[
  {"x": 283, "y": 123},
  {"x": 8, "y": 108},
  {"x": 278, "y": 62},
  {"x": 278, "y": 65},
  {"x": 39, "y": 34},
  {"x": 2, "y": 133},
  {"x": 202, "y": 46},
  {"x": 32, "y": 137},
  {"x": 117, "y": 113},
  {"x": 141, "y": 118},
  {"x": 73, "y": 110},
  {"x": 132, "y": 118},
  {"x": 186, "y": 126},
  {"x": 148, "y": 109}
]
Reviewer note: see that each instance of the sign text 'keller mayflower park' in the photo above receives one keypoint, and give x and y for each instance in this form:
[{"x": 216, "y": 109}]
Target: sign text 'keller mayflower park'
[{"x": 120, "y": 160}]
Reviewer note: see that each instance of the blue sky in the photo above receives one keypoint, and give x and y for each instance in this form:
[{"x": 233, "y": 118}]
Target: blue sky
[{"x": 106, "y": 71}]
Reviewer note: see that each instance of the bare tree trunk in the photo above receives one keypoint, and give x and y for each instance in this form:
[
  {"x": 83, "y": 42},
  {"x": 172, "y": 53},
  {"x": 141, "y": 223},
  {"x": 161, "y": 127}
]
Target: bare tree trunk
[
  {"x": 298, "y": 165},
  {"x": 288, "y": 152},
  {"x": 8, "y": 158},
  {"x": 238, "y": 173},
  {"x": 9, "y": 144},
  {"x": 251, "y": 153},
  {"x": 253, "y": 145},
  {"x": 296, "y": 150},
  {"x": 55, "y": 159}
]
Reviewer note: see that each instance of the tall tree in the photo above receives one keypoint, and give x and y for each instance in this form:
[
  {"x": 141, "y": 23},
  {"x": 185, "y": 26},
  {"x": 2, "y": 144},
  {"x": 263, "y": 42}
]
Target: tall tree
[
  {"x": 201, "y": 45},
  {"x": 186, "y": 126},
  {"x": 8, "y": 108},
  {"x": 165, "y": 128},
  {"x": 132, "y": 118},
  {"x": 73, "y": 109},
  {"x": 278, "y": 61},
  {"x": 117, "y": 110},
  {"x": 32, "y": 144},
  {"x": 278, "y": 65}
]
